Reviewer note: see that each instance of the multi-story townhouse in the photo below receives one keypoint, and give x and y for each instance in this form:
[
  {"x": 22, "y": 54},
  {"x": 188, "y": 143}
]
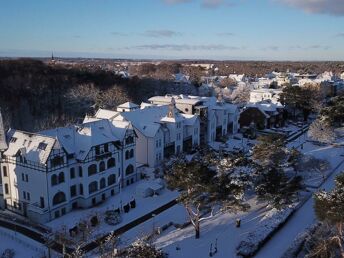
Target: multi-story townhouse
[
  {"x": 217, "y": 118},
  {"x": 161, "y": 131},
  {"x": 47, "y": 174},
  {"x": 265, "y": 94}
]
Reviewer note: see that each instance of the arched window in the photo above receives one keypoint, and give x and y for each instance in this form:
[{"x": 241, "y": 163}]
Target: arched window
[
  {"x": 129, "y": 140},
  {"x": 101, "y": 166},
  {"x": 54, "y": 180},
  {"x": 111, "y": 179},
  {"x": 102, "y": 183},
  {"x": 92, "y": 169},
  {"x": 111, "y": 163},
  {"x": 61, "y": 178},
  {"x": 92, "y": 187},
  {"x": 60, "y": 197},
  {"x": 129, "y": 170},
  {"x": 127, "y": 154},
  {"x": 131, "y": 153}
]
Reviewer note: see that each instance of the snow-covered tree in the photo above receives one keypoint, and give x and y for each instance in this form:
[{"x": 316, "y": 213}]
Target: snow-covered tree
[
  {"x": 142, "y": 249},
  {"x": 329, "y": 208},
  {"x": 273, "y": 186},
  {"x": 271, "y": 182},
  {"x": 321, "y": 131},
  {"x": 241, "y": 94},
  {"x": 334, "y": 111},
  {"x": 203, "y": 188},
  {"x": 270, "y": 150}
]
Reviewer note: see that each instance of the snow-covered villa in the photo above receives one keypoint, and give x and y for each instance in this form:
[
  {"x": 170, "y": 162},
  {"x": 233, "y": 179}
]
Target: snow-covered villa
[
  {"x": 161, "y": 131},
  {"x": 47, "y": 174},
  {"x": 217, "y": 118}
]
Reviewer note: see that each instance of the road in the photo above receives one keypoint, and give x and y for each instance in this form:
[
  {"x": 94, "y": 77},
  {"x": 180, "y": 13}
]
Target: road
[{"x": 300, "y": 220}]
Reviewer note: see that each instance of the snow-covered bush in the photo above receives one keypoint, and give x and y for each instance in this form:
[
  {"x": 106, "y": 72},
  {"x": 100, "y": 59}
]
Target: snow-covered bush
[{"x": 264, "y": 230}]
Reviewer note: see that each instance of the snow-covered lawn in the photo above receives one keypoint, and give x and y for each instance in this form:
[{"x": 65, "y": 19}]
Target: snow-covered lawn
[
  {"x": 22, "y": 245},
  {"x": 182, "y": 242},
  {"x": 143, "y": 206}
]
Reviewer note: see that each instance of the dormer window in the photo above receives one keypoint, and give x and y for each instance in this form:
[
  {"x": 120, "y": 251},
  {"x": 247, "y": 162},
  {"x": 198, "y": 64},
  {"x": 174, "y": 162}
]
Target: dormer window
[
  {"x": 42, "y": 146},
  {"x": 13, "y": 139}
]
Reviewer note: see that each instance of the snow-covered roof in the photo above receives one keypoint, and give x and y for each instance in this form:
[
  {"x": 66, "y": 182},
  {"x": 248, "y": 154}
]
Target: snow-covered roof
[
  {"x": 128, "y": 105},
  {"x": 80, "y": 139},
  {"x": 33, "y": 147},
  {"x": 180, "y": 99},
  {"x": 189, "y": 119},
  {"x": 148, "y": 120},
  {"x": 106, "y": 114}
]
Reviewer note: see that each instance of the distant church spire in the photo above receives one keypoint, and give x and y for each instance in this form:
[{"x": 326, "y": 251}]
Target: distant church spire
[
  {"x": 52, "y": 56},
  {"x": 3, "y": 144}
]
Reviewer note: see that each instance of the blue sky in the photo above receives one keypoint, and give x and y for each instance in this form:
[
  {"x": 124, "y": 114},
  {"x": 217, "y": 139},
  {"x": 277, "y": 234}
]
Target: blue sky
[{"x": 215, "y": 29}]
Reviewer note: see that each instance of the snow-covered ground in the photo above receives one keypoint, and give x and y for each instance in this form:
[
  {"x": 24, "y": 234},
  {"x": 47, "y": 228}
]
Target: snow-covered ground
[
  {"x": 22, "y": 245},
  {"x": 182, "y": 242},
  {"x": 143, "y": 206},
  {"x": 222, "y": 227},
  {"x": 305, "y": 216}
]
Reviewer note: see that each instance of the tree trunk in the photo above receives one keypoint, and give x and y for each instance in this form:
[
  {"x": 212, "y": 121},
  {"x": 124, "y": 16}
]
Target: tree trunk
[{"x": 197, "y": 230}]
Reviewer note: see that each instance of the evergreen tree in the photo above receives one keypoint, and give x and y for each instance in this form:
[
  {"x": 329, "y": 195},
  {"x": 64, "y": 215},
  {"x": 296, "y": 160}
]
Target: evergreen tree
[
  {"x": 203, "y": 188},
  {"x": 329, "y": 208},
  {"x": 270, "y": 150},
  {"x": 333, "y": 113},
  {"x": 273, "y": 186}
]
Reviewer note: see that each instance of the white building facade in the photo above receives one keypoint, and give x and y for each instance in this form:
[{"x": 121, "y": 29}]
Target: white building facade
[
  {"x": 162, "y": 131},
  {"x": 47, "y": 175},
  {"x": 217, "y": 118}
]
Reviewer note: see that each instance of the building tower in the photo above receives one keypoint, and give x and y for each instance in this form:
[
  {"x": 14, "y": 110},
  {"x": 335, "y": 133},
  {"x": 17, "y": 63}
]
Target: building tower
[{"x": 171, "y": 108}]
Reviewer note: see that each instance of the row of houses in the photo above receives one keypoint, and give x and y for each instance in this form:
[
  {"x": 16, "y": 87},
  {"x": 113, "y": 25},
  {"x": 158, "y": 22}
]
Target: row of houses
[{"x": 82, "y": 165}]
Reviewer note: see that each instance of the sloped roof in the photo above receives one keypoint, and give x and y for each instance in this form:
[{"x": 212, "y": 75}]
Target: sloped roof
[
  {"x": 34, "y": 147},
  {"x": 106, "y": 114},
  {"x": 80, "y": 139},
  {"x": 129, "y": 105}
]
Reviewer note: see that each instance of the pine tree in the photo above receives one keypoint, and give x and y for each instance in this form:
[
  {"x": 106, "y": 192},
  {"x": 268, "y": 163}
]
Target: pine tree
[
  {"x": 203, "y": 188},
  {"x": 270, "y": 150},
  {"x": 329, "y": 208},
  {"x": 333, "y": 113}
]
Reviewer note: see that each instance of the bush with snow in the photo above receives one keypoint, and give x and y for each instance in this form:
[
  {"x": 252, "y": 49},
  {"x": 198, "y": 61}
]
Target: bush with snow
[{"x": 264, "y": 230}]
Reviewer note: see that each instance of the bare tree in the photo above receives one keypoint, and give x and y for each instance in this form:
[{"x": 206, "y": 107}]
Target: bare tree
[{"x": 321, "y": 131}]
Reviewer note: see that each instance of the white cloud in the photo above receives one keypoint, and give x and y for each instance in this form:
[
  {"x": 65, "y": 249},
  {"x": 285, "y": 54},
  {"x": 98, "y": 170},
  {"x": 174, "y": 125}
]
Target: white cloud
[
  {"x": 331, "y": 7},
  {"x": 176, "y": 1},
  {"x": 161, "y": 33}
]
